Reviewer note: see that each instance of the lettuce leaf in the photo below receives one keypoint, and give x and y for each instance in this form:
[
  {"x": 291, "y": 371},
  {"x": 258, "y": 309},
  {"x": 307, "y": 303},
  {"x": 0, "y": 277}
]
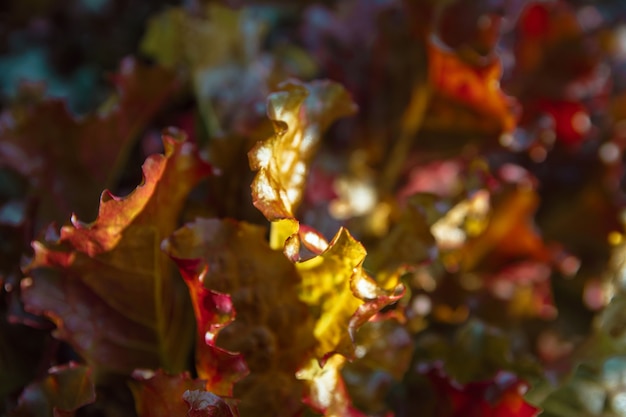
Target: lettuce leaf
[
  {"x": 272, "y": 329},
  {"x": 114, "y": 297},
  {"x": 301, "y": 112},
  {"x": 158, "y": 394},
  {"x": 69, "y": 160}
]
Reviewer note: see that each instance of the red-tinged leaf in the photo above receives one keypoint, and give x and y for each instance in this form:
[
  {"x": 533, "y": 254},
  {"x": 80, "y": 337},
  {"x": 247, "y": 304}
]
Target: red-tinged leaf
[
  {"x": 374, "y": 297},
  {"x": 500, "y": 397},
  {"x": 64, "y": 390},
  {"x": 569, "y": 120},
  {"x": 335, "y": 284},
  {"x": 158, "y": 394},
  {"x": 111, "y": 293},
  {"x": 301, "y": 113},
  {"x": 273, "y": 328},
  {"x": 469, "y": 95},
  {"x": 510, "y": 233},
  {"x": 327, "y": 392},
  {"x": 70, "y": 160},
  {"x": 527, "y": 289},
  {"x": 296, "y": 240},
  {"x": 219, "y": 367},
  {"x": 385, "y": 350},
  {"x": 343, "y": 297},
  {"x": 206, "y": 404}
]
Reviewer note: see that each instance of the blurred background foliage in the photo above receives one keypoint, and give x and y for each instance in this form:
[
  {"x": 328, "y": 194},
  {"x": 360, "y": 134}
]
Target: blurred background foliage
[{"x": 485, "y": 163}]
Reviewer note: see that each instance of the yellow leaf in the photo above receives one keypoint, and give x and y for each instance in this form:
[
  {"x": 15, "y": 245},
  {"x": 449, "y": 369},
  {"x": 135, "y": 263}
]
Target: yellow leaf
[
  {"x": 300, "y": 113},
  {"x": 345, "y": 296},
  {"x": 272, "y": 329}
]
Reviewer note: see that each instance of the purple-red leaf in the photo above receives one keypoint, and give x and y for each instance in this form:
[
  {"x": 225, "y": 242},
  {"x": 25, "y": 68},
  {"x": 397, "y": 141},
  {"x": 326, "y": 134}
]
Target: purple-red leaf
[
  {"x": 69, "y": 160},
  {"x": 158, "y": 394},
  {"x": 500, "y": 397},
  {"x": 206, "y": 404}
]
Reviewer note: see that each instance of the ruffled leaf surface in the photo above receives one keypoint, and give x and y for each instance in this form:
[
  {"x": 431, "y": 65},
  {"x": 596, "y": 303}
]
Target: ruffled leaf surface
[
  {"x": 114, "y": 297},
  {"x": 470, "y": 95},
  {"x": 206, "y": 404},
  {"x": 158, "y": 394},
  {"x": 344, "y": 295},
  {"x": 300, "y": 113},
  {"x": 272, "y": 329},
  {"x": 37, "y": 136},
  {"x": 327, "y": 393}
]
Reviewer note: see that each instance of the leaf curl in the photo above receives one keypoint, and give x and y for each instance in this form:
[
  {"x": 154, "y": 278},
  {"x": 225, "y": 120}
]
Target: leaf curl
[
  {"x": 273, "y": 328},
  {"x": 158, "y": 394},
  {"x": 111, "y": 293},
  {"x": 301, "y": 112},
  {"x": 36, "y": 137},
  {"x": 346, "y": 297}
]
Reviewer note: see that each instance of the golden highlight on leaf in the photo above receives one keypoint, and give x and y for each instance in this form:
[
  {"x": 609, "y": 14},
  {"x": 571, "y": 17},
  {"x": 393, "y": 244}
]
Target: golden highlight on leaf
[
  {"x": 301, "y": 113},
  {"x": 112, "y": 294},
  {"x": 327, "y": 392},
  {"x": 334, "y": 282}
]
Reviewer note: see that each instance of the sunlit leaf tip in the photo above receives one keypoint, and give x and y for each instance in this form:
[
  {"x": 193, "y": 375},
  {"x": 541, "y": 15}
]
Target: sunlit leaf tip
[
  {"x": 334, "y": 282},
  {"x": 159, "y": 187},
  {"x": 301, "y": 113}
]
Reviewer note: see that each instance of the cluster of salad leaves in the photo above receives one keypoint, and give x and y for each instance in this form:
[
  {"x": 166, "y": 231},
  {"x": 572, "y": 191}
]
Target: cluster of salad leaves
[{"x": 337, "y": 208}]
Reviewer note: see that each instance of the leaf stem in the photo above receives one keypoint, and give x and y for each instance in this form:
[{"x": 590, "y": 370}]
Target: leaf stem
[{"x": 410, "y": 125}]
